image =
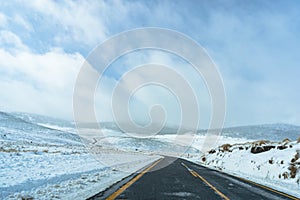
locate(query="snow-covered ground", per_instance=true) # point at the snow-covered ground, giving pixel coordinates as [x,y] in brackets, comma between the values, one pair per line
[43,158]
[46,162]
[274,164]
[49,172]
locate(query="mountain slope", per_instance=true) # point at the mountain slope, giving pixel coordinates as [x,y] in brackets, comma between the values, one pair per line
[15,128]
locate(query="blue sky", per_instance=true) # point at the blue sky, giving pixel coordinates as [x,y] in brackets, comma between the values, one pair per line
[255,45]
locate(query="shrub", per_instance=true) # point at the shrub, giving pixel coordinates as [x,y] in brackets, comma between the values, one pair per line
[282,147]
[297,155]
[293,171]
[25,197]
[212,151]
[285,175]
[203,159]
[261,149]
[271,161]
[226,147]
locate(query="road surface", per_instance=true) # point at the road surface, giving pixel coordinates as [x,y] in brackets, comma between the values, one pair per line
[172,178]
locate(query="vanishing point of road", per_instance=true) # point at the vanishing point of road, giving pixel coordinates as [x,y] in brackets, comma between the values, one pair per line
[175,178]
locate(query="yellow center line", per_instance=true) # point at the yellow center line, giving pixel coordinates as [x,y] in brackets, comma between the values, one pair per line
[212,187]
[195,174]
[129,183]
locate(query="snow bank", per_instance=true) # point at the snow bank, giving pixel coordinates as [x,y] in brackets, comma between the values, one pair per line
[276,165]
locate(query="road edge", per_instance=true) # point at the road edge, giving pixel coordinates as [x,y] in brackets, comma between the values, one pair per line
[118,184]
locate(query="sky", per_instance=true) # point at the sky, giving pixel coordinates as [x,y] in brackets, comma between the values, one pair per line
[255,45]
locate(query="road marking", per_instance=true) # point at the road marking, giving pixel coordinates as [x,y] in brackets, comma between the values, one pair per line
[259,185]
[195,174]
[267,188]
[210,185]
[129,183]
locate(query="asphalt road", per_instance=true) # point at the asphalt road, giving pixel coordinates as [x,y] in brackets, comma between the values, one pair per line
[171,178]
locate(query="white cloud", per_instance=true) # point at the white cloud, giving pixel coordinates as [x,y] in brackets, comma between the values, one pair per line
[39,83]
[21,21]
[80,21]
[3,20]
[146,97]
[11,42]
[255,48]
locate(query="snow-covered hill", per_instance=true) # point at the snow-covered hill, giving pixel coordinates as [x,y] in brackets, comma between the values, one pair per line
[44,158]
[14,127]
[275,164]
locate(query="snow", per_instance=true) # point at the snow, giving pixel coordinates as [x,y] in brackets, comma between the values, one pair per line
[271,168]
[42,158]
[44,163]
[59,172]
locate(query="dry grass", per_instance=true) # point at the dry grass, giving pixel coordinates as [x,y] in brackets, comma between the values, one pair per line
[260,142]
[35,151]
[8,150]
[286,140]
[298,141]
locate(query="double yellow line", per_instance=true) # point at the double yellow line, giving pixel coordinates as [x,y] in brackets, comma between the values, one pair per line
[129,183]
[195,174]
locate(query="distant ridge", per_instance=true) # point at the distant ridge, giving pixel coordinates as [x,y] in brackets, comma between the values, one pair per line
[273,132]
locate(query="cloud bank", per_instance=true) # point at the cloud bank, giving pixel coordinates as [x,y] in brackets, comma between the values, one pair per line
[255,45]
